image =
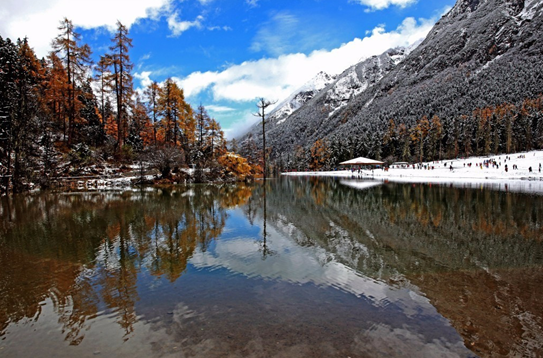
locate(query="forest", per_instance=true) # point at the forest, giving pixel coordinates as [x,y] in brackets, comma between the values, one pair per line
[472,87]
[504,128]
[65,116]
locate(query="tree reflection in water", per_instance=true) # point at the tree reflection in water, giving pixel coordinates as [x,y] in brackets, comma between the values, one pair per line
[85,251]
[477,255]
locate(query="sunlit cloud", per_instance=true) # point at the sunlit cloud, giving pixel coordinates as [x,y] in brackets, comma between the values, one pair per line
[39,20]
[276,78]
[178,27]
[383,4]
[219,109]
[144,78]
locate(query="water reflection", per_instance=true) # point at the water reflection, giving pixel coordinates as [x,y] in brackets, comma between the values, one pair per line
[476,254]
[299,267]
[84,252]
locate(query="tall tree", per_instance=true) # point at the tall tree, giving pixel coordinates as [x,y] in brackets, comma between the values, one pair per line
[103,78]
[215,139]
[76,59]
[319,155]
[9,61]
[140,131]
[121,79]
[419,134]
[179,123]
[506,114]
[262,106]
[56,92]
[436,131]
[94,133]
[202,125]
[390,140]
[152,93]
[21,80]
[403,135]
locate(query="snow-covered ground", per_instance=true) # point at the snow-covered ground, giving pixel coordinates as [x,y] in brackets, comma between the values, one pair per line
[462,174]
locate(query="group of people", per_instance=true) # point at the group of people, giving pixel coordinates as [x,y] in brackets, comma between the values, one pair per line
[484,164]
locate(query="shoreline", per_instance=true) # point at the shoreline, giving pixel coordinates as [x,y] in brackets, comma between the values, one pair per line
[461,172]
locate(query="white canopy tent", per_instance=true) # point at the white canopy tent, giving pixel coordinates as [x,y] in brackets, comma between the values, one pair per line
[362,161]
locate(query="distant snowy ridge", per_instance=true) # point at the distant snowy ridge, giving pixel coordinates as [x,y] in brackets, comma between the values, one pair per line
[531,9]
[337,90]
[300,97]
[357,78]
[482,53]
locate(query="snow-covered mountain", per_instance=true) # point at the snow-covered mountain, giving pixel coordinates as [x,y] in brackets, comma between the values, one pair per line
[482,53]
[336,89]
[358,78]
[300,97]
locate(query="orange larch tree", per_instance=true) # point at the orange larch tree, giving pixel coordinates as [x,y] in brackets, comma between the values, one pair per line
[121,79]
[77,62]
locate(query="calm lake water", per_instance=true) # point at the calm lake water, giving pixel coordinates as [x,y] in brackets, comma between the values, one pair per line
[297,267]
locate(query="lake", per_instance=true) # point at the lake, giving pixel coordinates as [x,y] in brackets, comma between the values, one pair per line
[295,267]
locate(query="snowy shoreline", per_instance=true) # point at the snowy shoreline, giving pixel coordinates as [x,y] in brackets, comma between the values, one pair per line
[461,174]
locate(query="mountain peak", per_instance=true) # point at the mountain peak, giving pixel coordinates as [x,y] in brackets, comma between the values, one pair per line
[301,96]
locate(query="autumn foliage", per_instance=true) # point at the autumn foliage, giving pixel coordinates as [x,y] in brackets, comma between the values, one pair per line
[235,164]
[52,106]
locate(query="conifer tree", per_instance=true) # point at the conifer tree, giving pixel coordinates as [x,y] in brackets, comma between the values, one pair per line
[153,93]
[76,59]
[179,123]
[103,78]
[436,131]
[140,132]
[21,84]
[202,125]
[319,155]
[56,93]
[93,129]
[121,79]
[419,134]
[215,141]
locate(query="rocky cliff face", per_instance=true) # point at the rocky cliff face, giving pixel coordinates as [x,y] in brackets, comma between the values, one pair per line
[482,53]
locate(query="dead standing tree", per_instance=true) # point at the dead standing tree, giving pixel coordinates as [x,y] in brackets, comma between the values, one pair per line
[262,105]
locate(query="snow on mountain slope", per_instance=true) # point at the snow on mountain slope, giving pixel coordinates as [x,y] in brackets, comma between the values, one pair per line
[300,96]
[482,53]
[360,77]
[333,91]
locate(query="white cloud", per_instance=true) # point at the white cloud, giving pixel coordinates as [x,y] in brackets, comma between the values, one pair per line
[383,4]
[277,34]
[276,78]
[144,78]
[252,3]
[178,27]
[219,109]
[241,126]
[39,20]
[223,28]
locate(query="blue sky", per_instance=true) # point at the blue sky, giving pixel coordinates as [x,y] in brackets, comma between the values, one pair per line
[226,54]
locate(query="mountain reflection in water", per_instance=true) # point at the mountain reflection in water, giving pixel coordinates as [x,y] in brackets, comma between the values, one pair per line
[342,268]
